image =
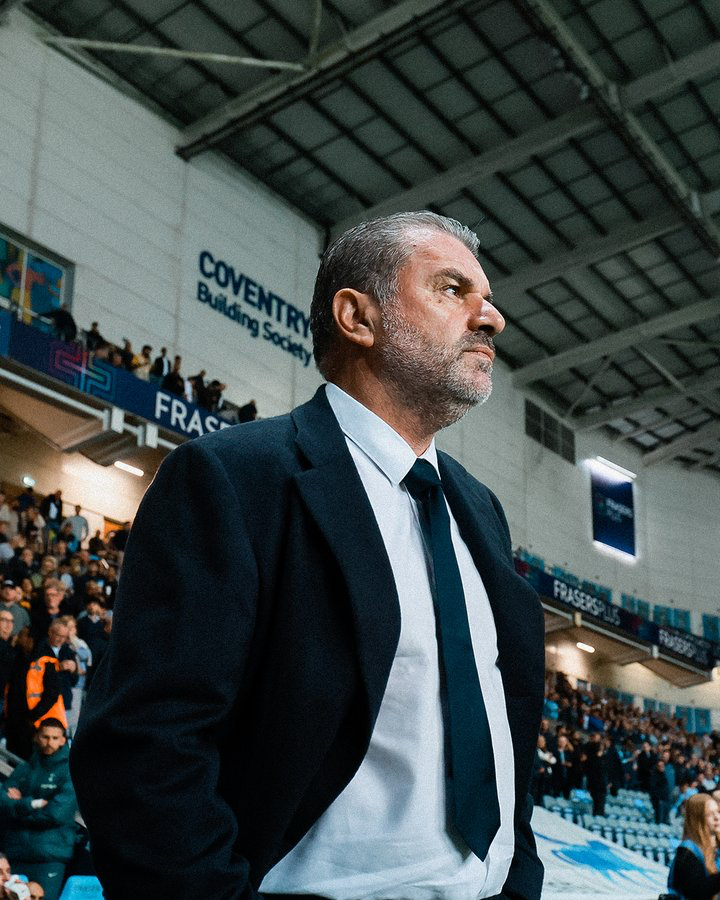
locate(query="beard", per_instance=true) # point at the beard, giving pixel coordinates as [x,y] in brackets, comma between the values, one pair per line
[434,379]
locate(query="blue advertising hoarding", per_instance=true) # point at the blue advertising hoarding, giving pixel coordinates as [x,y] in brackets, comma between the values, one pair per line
[74,366]
[671,641]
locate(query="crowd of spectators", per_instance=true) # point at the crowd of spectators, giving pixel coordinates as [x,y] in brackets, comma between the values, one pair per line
[57,592]
[597,743]
[198,389]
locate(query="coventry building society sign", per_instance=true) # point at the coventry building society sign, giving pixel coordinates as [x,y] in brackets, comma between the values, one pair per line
[284,326]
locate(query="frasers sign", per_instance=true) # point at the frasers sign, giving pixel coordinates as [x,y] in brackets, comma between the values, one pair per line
[689,646]
[671,641]
[260,312]
[570,595]
[583,601]
[185,418]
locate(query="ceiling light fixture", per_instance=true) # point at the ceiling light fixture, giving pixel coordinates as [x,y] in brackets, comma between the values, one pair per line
[586,647]
[612,469]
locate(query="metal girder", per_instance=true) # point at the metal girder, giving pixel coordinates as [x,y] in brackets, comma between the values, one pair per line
[484,165]
[688,342]
[541,139]
[599,372]
[327,62]
[659,396]
[644,429]
[708,432]
[674,75]
[608,97]
[172,52]
[585,254]
[611,344]
[597,249]
[706,463]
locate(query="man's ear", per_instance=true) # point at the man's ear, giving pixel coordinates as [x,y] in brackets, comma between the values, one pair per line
[357,316]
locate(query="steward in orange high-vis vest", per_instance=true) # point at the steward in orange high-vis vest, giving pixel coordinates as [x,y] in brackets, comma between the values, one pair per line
[44,689]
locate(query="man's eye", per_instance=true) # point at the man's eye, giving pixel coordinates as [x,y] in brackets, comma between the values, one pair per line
[453,288]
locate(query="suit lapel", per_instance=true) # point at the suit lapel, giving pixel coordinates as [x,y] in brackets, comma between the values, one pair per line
[334,495]
[511,599]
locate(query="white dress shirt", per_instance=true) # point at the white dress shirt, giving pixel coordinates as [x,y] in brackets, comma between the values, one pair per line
[385,837]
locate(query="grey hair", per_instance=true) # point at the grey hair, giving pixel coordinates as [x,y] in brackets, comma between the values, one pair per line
[368,258]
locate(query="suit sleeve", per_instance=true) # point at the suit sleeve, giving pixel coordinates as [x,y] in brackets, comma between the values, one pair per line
[145,761]
[524,881]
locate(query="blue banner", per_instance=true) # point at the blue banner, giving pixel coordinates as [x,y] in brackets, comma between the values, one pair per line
[74,366]
[671,641]
[613,511]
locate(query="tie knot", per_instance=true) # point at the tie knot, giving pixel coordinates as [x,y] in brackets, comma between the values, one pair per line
[421,478]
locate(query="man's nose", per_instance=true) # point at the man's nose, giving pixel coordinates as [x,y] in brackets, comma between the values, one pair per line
[485,316]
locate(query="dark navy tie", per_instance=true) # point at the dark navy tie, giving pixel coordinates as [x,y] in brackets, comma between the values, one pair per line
[470,767]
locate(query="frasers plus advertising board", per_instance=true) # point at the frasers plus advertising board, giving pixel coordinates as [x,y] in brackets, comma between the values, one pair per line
[257,310]
[671,641]
[613,510]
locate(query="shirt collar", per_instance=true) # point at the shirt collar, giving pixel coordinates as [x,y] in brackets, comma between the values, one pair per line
[390,452]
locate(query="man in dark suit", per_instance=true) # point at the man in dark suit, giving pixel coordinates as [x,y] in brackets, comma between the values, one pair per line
[325,678]
[161,366]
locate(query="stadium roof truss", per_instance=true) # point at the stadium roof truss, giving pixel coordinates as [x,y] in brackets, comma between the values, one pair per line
[580,138]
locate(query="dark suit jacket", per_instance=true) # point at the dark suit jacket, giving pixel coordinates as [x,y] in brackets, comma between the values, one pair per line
[255,626]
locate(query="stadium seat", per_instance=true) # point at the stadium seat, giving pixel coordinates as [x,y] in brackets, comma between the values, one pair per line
[82,887]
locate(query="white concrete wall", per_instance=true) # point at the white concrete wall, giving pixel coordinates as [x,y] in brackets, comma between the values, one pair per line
[92,175]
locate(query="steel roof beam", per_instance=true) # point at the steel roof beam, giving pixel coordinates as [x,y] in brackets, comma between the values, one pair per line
[327,62]
[611,344]
[507,155]
[608,97]
[663,81]
[541,139]
[661,396]
[684,442]
[587,253]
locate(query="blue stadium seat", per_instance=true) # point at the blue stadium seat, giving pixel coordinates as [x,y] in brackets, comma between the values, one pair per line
[82,887]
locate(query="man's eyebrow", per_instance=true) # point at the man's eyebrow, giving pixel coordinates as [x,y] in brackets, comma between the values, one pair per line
[454,275]
[463,280]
